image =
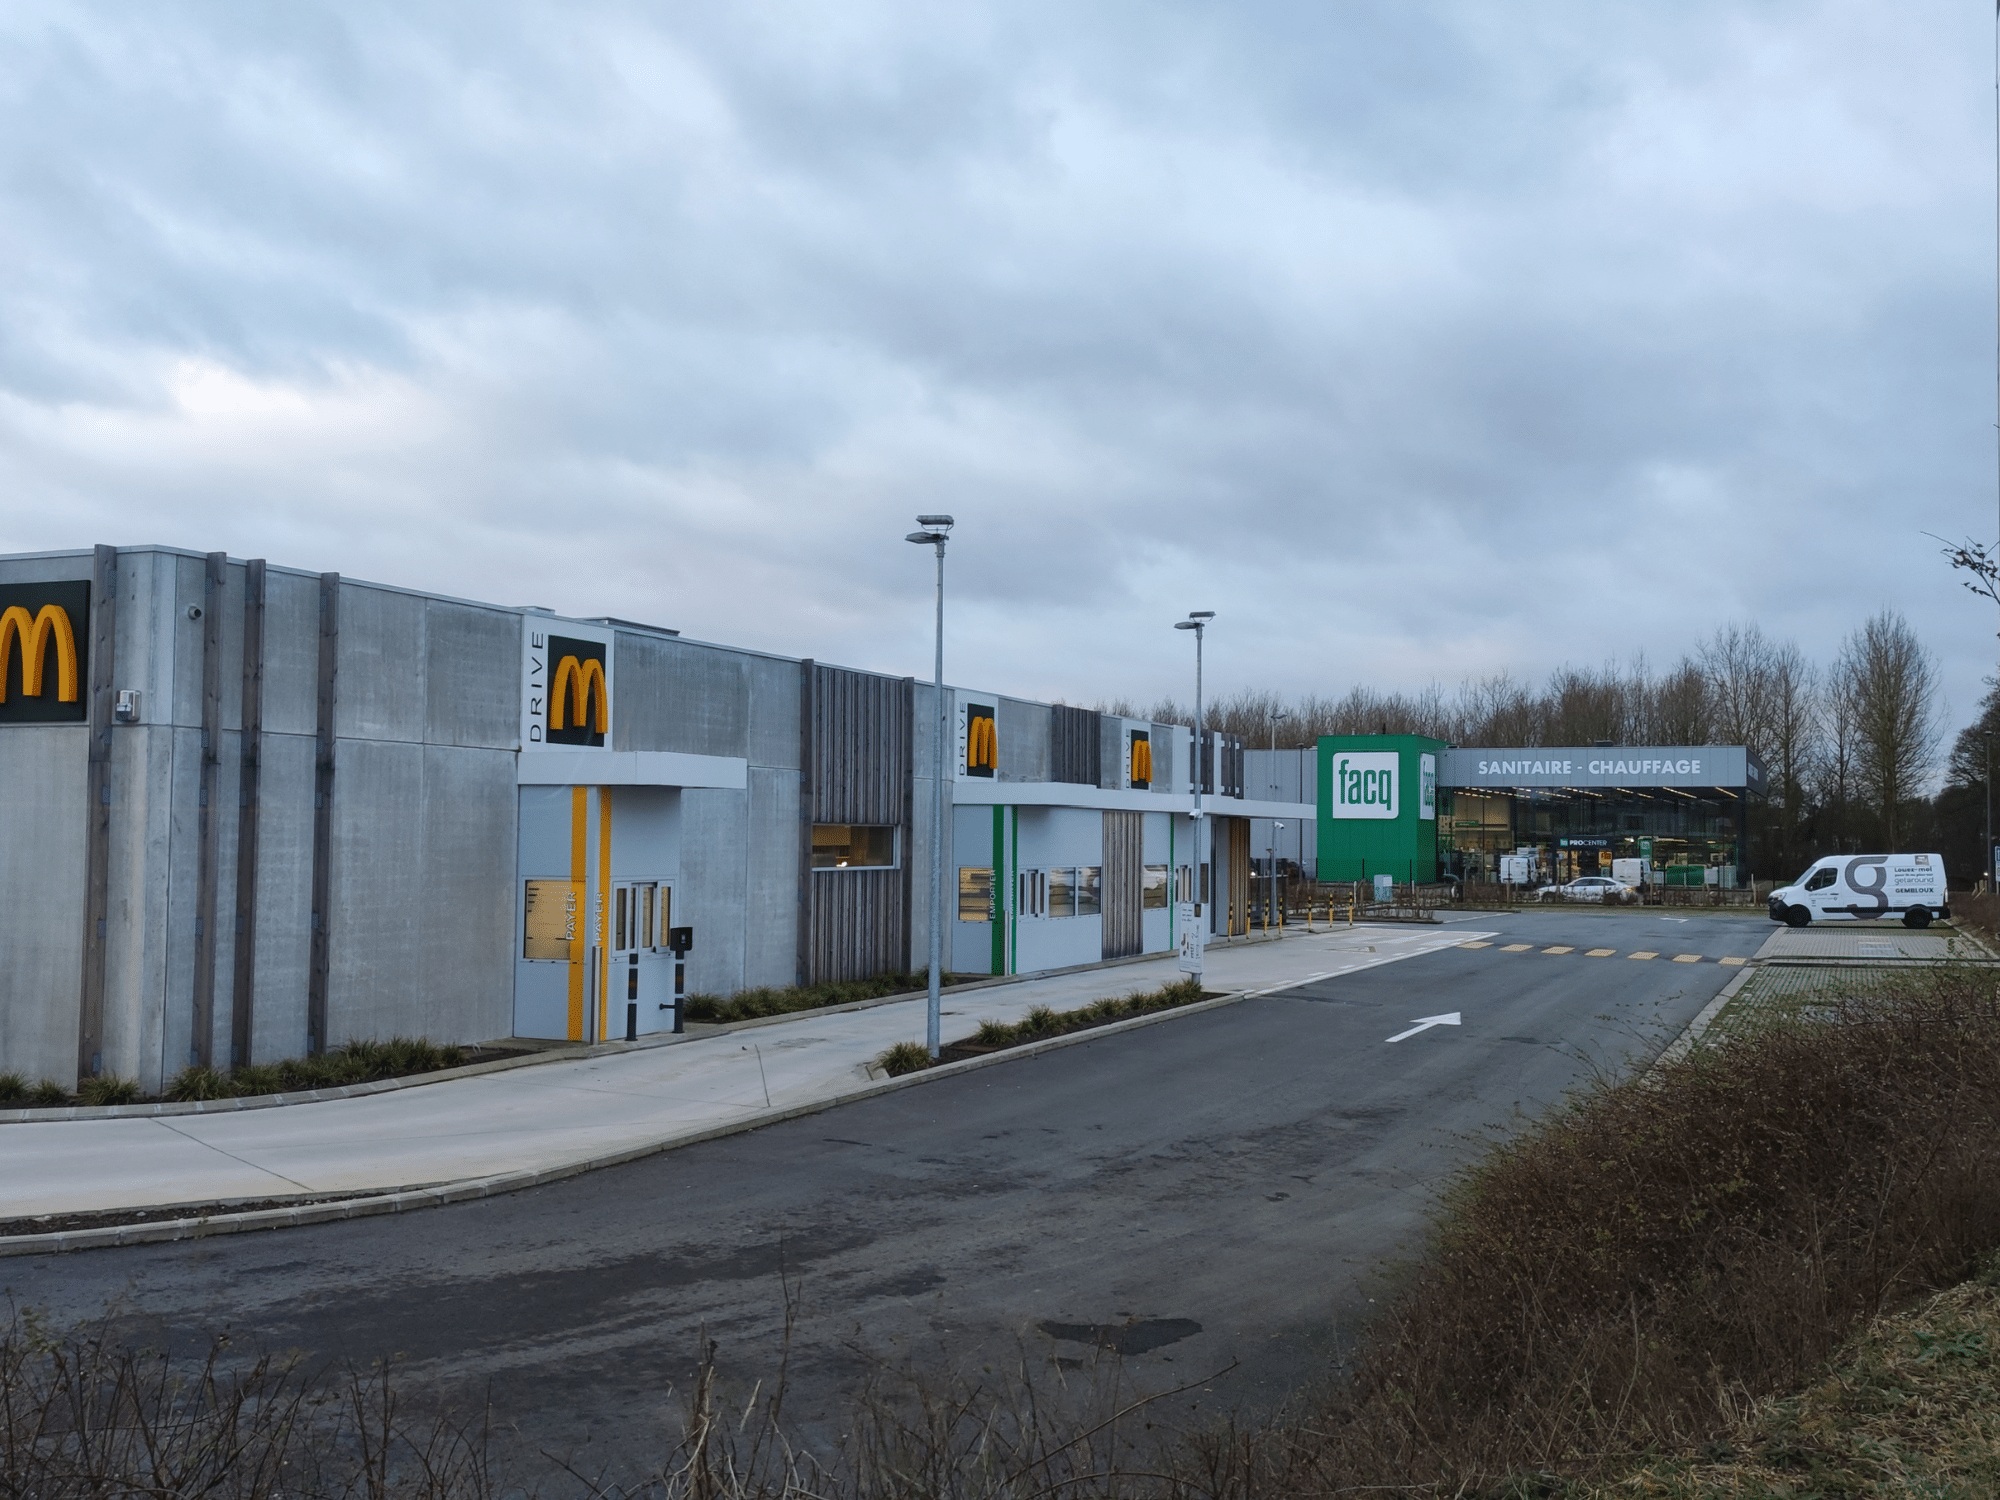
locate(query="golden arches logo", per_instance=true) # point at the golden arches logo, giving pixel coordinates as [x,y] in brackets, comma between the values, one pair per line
[583,680]
[33,633]
[1142,760]
[982,744]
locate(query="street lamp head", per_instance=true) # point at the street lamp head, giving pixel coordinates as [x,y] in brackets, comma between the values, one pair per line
[925,538]
[1187,624]
[1201,614]
[936,523]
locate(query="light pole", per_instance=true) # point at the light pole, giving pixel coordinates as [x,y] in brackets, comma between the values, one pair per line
[1197,621]
[934,533]
[1987,736]
[1277,835]
[1273,788]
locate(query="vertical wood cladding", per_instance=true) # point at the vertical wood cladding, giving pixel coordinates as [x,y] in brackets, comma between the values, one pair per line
[857,770]
[1238,834]
[1075,753]
[1124,853]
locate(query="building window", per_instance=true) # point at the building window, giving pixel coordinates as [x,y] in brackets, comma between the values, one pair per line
[1062,893]
[1032,887]
[853,846]
[1089,885]
[1153,888]
[550,925]
[975,893]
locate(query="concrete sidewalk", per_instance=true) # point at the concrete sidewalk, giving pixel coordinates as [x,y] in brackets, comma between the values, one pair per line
[494,1132]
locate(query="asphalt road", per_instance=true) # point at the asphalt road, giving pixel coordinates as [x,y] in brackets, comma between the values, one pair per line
[1224,1187]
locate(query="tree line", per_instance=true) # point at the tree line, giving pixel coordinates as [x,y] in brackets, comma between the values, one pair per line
[1852,746]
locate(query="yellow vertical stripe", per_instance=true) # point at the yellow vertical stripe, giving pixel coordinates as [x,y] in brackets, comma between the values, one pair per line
[579,832]
[603,910]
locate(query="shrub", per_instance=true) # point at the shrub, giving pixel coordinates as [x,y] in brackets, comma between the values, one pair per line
[904,1057]
[1039,1021]
[107,1088]
[47,1094]
[13,1088]
[747,1005]
[1618,1276]
[193,1083]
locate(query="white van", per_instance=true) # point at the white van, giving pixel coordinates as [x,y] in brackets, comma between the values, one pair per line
[1856,887]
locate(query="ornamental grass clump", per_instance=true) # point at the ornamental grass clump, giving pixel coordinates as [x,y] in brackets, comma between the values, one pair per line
[106,1089]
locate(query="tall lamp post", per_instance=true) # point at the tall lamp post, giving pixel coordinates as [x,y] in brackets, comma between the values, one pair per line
[1987,736]
[934,533]
[1197,621]
[1276,828]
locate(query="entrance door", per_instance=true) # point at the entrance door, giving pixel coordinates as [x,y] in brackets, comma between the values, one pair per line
[642,967]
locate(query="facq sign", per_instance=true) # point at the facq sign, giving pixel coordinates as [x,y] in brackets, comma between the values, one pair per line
[1364,784]
[1618,766]
[1427,794]
[44,643]
[566,688]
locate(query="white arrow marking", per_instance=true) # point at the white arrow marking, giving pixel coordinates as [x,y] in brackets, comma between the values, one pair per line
[1426,1024]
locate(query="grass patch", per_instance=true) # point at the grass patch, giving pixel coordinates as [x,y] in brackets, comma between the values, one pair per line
[1043,1021]
[106,1089]
[350,1063]
[1630,1273]
[748,1005]
[1911,1407]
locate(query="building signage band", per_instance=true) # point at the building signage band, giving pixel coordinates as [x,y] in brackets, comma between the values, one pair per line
[1364,783]
[44,651]
[567,692]
[1621,766]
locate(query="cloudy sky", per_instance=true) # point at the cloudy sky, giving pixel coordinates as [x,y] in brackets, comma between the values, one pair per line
[1418,340]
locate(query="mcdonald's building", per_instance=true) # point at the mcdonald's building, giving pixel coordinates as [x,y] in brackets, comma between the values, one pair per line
[248,812]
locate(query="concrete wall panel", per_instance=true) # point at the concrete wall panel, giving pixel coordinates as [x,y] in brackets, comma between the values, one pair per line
[709,895]
[464,960]
[284,896]
[382,657]
[377,928]
[291,653]
[472,681]
[675,695]
[42,791]
[770,918]
[1023,729]
[774,711]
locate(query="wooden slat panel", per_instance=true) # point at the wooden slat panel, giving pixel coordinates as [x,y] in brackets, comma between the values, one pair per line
[1074,737]
[858,758]
[1123,854]
[323,767]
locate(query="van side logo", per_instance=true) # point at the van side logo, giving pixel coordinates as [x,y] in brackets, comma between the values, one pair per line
[982,741]
[44,643]
[1364,783]
[579,699]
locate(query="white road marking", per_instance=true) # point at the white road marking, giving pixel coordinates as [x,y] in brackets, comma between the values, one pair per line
[1426,1024]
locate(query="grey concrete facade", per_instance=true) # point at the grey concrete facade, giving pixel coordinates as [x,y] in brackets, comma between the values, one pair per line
[410,821]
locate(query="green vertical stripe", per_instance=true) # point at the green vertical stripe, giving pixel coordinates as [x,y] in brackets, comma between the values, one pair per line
[999,889]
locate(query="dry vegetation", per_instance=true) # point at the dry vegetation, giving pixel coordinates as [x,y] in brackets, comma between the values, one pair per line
[1628,1299]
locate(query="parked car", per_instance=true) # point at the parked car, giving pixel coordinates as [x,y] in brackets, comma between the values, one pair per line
[1600,888]
[1858,887]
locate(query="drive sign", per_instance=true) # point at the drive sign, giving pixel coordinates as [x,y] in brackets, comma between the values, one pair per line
[1364,783]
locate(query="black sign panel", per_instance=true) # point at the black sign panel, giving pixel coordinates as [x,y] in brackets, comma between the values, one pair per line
[982,741]
[44,653]
[579,695]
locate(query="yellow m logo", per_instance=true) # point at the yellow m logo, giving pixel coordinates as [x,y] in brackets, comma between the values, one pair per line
[584,680]
[33,633]
[1142,760]
[982,744]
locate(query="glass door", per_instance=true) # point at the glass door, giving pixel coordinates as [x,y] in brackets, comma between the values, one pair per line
[641,966]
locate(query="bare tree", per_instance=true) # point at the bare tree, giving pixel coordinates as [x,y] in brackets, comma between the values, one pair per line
[1737,660]
[1681,707]
[1886,690]
[1793,722]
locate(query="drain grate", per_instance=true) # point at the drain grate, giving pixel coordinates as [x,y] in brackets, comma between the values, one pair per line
[1874,950]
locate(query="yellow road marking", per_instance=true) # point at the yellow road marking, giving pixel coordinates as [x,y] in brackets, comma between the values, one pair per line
[1511,947]
[1598,952]
[1732,962]
[1645,955]
[1462,945]
[1545,950]
[1679,958]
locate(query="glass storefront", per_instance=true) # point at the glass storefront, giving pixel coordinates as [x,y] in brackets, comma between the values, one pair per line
[1576,831]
